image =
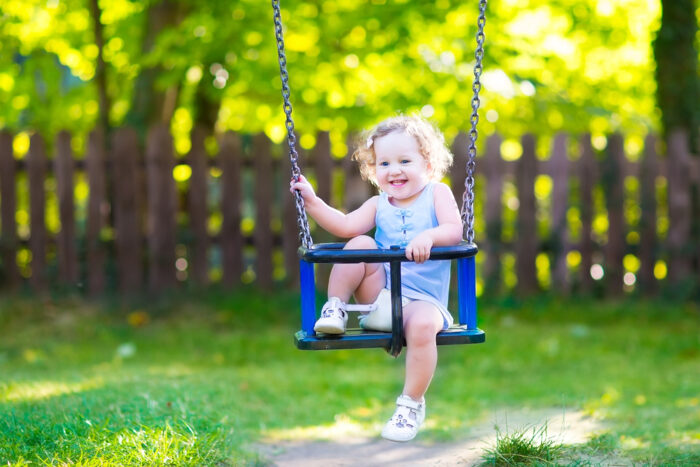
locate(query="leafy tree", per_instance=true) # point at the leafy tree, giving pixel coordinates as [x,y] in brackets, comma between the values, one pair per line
[550,65]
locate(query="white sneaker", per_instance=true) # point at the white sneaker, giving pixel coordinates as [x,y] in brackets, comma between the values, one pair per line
[408,417]
[333,318]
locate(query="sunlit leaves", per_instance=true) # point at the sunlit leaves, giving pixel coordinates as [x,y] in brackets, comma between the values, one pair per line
[550,65]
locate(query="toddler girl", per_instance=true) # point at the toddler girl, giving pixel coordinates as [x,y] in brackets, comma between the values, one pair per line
[405,157]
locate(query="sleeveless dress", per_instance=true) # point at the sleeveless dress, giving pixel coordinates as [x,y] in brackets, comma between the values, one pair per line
[429,281]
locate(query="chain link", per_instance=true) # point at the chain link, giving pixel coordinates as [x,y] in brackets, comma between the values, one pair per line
[302,220]
[468,197]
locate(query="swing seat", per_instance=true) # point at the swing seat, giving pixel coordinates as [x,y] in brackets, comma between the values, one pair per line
[465,332]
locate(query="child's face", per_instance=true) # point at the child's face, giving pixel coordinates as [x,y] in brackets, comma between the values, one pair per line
[401,170]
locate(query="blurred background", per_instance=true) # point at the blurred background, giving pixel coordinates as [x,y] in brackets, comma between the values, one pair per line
[142,143]
[148,265]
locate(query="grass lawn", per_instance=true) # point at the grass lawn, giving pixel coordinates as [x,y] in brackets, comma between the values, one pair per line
[197,381]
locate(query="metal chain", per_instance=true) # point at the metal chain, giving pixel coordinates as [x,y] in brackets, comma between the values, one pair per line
[302,220]
[468,197]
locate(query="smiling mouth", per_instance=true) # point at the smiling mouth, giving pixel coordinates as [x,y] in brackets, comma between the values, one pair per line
[397,182]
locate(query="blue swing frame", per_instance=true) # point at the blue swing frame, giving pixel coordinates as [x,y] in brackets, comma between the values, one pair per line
[465,332]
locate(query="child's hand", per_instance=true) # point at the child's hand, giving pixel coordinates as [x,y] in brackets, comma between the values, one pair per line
[419,248]
[304,187]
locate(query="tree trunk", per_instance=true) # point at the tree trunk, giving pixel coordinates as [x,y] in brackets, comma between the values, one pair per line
[151,105]
[678,84]
[101,70]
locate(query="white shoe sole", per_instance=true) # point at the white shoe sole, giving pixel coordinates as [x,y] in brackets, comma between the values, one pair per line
[329,328]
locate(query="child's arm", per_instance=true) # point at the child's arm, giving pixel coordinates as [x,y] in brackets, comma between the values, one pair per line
[447,233]
[337,223]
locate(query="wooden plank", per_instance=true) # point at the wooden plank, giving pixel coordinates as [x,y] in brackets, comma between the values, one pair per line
[125,158]
[290,229]
[613,183]
[264,181]
[588,174]
[527,243]
[198,210]
[493,171]
[323,169]
[647,224]
[97,212]
[230,158]
[357,191]
[323,165]
[10,278]
[679,208]
[66,241]
[160,162]
[36,168]
[559,170]
[458,172]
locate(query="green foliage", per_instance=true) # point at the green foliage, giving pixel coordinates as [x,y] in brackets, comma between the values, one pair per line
[578,65]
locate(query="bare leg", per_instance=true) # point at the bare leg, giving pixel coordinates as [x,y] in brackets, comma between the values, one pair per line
[422,322]
[363,280]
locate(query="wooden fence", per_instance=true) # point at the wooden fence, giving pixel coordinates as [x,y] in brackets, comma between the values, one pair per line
[232,219]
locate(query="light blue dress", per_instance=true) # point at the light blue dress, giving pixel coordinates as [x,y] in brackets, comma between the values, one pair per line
[429,281]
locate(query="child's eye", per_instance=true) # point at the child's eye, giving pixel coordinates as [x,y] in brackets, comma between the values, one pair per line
[383,164]
[405,161]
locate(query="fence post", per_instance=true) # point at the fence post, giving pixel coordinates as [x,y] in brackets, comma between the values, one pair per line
[588,173]
[96,212]
[356,190]
[559,165]
[290,229]
[679,208]
[460,150]
[36,168]
[160,162]
[527,243]
[230,156]
[323,167]
[613,184]
[647,225]
[323,163]
[264,190]
[198,209]
[8,206]
[128,209]
[63,169]
[493,168]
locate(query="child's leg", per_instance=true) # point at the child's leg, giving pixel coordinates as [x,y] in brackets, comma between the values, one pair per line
[422,321]
[363,280]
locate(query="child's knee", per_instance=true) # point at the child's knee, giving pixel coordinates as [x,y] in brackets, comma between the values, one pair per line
[421,330]
[361,242]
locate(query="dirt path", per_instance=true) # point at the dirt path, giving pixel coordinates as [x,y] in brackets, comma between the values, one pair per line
[346,445]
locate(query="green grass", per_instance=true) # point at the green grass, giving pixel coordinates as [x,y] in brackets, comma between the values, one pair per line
[525,446]
[199,380]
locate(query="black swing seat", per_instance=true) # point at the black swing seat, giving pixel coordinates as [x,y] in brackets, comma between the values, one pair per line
[357,338]
[465,332]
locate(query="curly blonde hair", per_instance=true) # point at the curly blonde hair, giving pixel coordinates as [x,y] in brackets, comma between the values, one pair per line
[430,141]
